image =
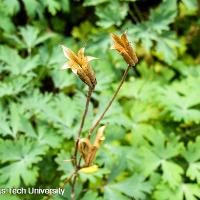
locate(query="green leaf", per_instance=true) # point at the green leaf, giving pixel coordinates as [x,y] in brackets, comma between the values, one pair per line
[32,7]
[52,5]
[4,125]
[135,186]
[115,114]
[158,152]
[34,102]
[106,78]
[165,147]
[156,29]
[191,4]
[63,103]
[163,15]
[23,154]
[31,37]
[191,191]
[21,65]
[90,195]
[111,14]
[9,196]
[172,173]
[94,2]
[140,89]
[184,191]
[48,136]
[166,47]
[19,123]
[143,112]
[6,53]
[192,155]
[65,5]
[193,171]
[65,166]
[65,121]
[180,100]
[26,127]
[110,193]
[6,24]
[62,79]
[4,118]
[14,86]
[117,168]
[164,192]
[11,6]
[14,119]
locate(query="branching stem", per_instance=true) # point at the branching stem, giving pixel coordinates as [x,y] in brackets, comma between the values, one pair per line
[76,162]
[74,176]
[138,12]
[82,123]
[73,185]
[110,102]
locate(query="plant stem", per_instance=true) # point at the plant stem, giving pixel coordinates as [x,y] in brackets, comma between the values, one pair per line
[110,102]
[138,11]
[133,16]
[77,165]
[94,126]
[73,186]
[67,180]
[82,123]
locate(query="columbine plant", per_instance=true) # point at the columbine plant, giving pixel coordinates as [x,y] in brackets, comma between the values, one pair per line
[79,64]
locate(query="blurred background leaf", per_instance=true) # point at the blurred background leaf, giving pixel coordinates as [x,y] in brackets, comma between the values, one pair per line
[152,143]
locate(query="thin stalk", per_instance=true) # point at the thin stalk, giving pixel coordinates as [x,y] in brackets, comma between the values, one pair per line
[73,186]
[138,12]
[77,141]
[82,123]
[110,102]
[93,127]
[67,180]
[133,16]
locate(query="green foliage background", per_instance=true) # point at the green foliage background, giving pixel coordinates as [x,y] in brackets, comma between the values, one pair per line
[152,147]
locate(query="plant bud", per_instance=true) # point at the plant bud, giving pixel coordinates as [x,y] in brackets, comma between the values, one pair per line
[123,46]
[79,64]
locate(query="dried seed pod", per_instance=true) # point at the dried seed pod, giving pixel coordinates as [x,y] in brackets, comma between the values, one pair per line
[97,142]
[123,46]
[87,150]
[99,137]
[91,156]
[79,64]
[84,147]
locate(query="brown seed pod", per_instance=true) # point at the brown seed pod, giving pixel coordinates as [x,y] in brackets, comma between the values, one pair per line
[123,46]
[87,150]
[79,64]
